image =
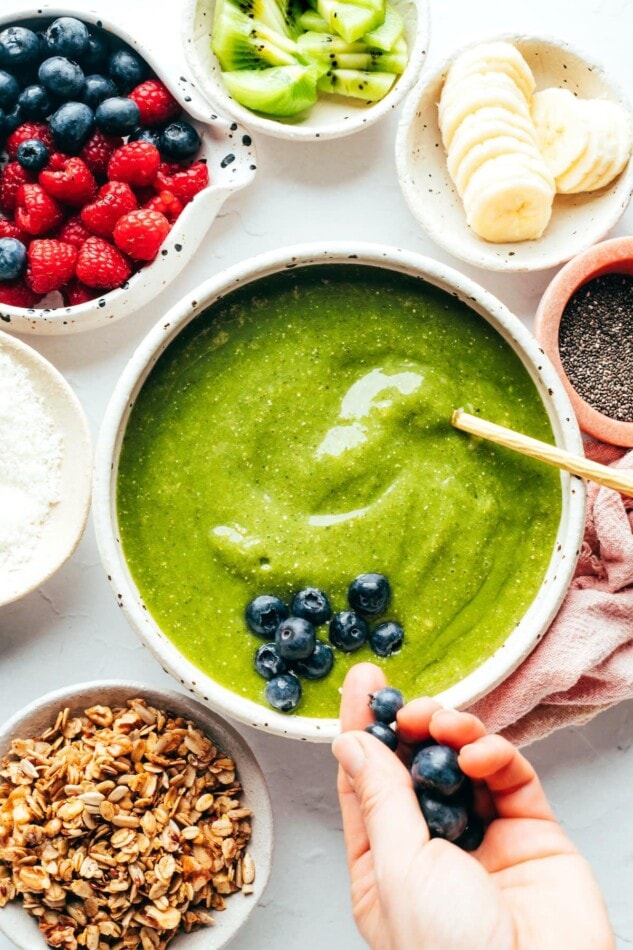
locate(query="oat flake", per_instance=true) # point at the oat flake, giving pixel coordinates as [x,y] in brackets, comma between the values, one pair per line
[30,464]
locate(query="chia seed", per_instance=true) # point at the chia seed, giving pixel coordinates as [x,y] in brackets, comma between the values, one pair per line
[595,343]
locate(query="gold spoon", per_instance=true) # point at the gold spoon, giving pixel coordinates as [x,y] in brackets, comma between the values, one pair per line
[576,464]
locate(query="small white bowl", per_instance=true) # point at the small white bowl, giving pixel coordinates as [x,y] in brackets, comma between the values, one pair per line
[22,929]
[577,220]
[332,116]
[565,550]
[230,155]
[62,530]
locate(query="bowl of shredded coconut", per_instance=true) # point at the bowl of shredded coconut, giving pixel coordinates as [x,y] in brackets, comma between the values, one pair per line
[45,465]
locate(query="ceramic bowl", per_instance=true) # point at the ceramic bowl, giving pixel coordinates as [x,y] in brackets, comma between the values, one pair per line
[21,928]
[609,257]
[62,530]
[332,116]
[577,220]
[230,154]
[560,569]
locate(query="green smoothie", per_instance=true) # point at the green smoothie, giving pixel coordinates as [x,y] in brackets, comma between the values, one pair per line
[297,433]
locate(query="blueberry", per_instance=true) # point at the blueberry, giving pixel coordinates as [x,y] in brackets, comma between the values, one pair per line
[19,47]
[446,820]
[117,116]
[12,258]
[9,90]
[435,769]
[71,126]
[284,692]
[67,36]
[35,102]
[13,119]
[311,604]
[62,77]
[95,58]
[179,141]
[146,135]
[268,663]
[318,664]
[264,614]
[369,594]
[126,69]
[386,703]
[295,638]
[348,631]
[95,89]
[383,732]
[32,155]
[471,838]
[386,638]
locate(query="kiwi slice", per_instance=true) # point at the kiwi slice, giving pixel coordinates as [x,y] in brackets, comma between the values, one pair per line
[337,54]
[240,42]
[280,90]
[357,83]
[349,20]
[310,21]
[386,35]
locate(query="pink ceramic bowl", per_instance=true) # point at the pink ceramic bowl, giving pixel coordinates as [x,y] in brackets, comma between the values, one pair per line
[609,257]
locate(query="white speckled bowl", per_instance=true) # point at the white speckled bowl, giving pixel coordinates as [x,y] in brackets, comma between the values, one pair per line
[577,220]
[64,527]
[21,928]
[332,116]
[230,154]
[560,570]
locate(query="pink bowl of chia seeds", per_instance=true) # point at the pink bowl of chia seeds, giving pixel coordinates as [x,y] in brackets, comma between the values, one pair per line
[584,323]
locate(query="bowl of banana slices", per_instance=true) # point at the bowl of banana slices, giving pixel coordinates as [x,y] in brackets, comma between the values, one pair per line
[516,153]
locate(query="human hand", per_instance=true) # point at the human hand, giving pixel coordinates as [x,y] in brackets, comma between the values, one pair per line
[525,888]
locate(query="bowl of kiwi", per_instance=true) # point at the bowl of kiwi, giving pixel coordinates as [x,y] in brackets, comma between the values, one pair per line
[305,69]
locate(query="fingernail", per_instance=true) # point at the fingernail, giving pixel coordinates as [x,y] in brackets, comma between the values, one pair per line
[349,753]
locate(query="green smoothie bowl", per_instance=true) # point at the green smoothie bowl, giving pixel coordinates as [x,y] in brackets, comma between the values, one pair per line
[287,426]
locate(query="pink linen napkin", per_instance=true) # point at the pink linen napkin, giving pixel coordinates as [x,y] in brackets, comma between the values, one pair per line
[584,664]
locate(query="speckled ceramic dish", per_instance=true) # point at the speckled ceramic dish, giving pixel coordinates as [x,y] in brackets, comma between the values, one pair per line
[64,526]
[577,220]
[22,929]
[609,257]
[230,154]
[332,116]
[560,570]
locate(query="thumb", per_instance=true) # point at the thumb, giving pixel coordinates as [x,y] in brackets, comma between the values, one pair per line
[393,821]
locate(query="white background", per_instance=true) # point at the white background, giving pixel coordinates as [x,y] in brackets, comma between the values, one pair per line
[71,629]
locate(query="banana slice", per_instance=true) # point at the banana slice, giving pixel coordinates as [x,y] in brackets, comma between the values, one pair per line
[506,200]
[461,172]
[561,130]
[611,125]
[488,123]
[497,57]
[481,93]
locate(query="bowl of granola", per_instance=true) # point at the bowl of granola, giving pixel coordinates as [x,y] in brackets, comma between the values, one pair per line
[128,813]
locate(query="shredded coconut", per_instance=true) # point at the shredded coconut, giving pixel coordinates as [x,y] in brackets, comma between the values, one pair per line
[30,464]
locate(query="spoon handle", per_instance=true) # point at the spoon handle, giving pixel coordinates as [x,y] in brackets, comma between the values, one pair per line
[576,464]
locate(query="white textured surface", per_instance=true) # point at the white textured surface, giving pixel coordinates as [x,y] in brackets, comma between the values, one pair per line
[71,629]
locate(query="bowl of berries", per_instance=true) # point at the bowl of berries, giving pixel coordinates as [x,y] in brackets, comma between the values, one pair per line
[110,173]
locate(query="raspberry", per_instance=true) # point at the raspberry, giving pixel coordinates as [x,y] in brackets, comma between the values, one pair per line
[167,203]
[97,151]
[101,264]
[77,293]
[155,103]
[73,184]
[10,229]
[36,212]
[28,130]
[50,265]
[13,176]
[184,183]
[140,233]
[57,162]
[135,163]
[115,198]
[15,293]
[73,232]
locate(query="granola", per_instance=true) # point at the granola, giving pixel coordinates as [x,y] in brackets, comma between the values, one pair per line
[120,828]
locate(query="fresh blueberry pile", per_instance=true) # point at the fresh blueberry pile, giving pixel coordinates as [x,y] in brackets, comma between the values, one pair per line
[97,162]
[445,793]
[292,648]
